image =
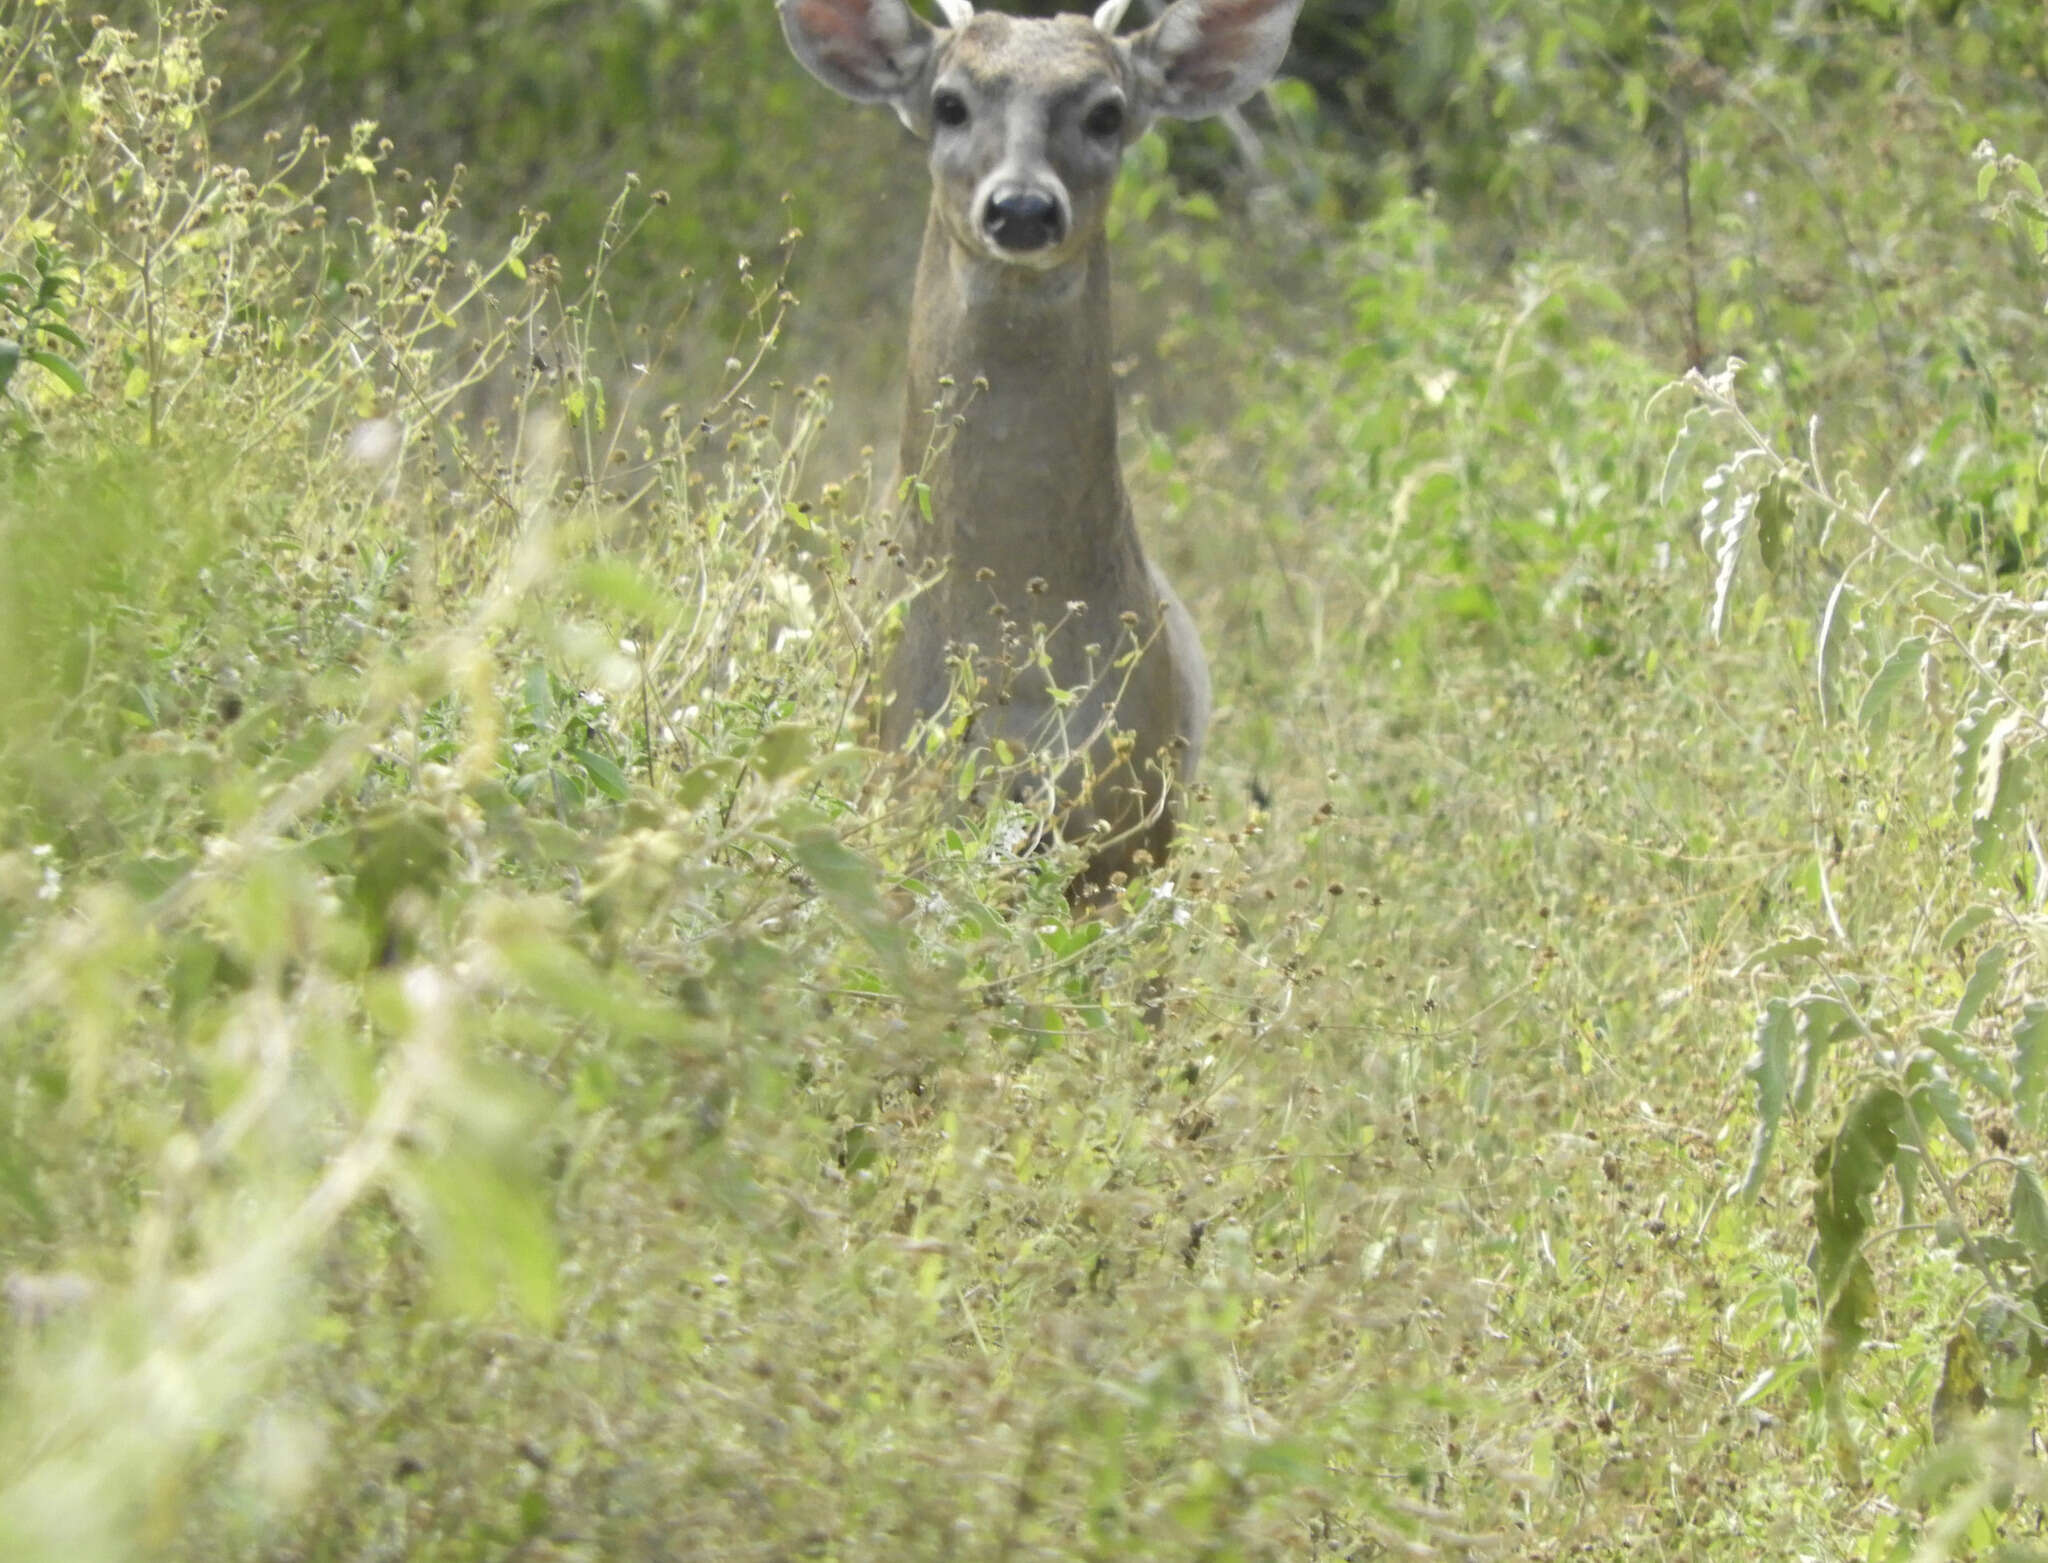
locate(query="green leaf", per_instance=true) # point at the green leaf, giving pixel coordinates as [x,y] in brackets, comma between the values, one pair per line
[1968,1061]
[543,959]
[2001,788]
[847,882]
[1986,174]
[60,366]
[2029,1212]
[1767,1070]
[2030,1056]
[781,749]
[10,360]
[1822,1022]
[1773,522]
[1983,981]
[1991,764]
[605,773]
[1961,1393]
[540,696]
[62,333]
[700,783]
[1779,950]
[1965,924]
[399,848]
[1968,745]
[628,589]
[1848,1171]
[1937,1094]
[484,1213]
[1635,92]
[1873,713]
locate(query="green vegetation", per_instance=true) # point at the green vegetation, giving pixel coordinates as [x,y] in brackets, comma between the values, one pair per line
[494,1067]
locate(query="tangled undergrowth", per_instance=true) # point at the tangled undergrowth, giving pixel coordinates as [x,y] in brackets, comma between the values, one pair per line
[497,1066]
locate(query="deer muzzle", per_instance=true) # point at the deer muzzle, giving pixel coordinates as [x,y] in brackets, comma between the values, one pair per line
[1019,220]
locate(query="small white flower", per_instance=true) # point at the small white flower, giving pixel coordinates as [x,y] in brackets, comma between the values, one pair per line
[375,442]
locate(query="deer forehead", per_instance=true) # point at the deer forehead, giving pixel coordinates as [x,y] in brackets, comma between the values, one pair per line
[1047,57]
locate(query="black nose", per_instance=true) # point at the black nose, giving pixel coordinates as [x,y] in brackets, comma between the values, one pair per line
[1022,220]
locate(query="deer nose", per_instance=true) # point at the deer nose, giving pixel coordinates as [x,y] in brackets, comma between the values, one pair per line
[1022,220]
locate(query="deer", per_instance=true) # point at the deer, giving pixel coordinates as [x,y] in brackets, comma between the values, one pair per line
[1076,649]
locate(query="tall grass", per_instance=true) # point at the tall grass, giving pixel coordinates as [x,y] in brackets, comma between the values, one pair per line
[496,1066]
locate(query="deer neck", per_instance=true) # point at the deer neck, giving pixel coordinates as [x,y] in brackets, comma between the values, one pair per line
[1021,456]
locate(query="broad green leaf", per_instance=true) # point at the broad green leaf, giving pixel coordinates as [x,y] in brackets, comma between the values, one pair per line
[1961,1394]
[1983,982]
[1968,745]
[1991,764]
[1767,1070]
[1965,924]
[1793,946]
[781,749]
[605,773]
[541,955]
[1635,92]
[2029,1212]
[1937,1094]
[66,372]
[1848,1170]
[540,696]
[2001,788]
[1969,1061]
[1873,714]
[627,588]
[63,333]
[700,783]
[1773,523]
[10,360]
[484,1215]
[1823,1021]
[2030,1056]
[847,882]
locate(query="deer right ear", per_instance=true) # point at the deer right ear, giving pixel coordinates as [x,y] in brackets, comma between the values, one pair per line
[873,51]
[1204,56]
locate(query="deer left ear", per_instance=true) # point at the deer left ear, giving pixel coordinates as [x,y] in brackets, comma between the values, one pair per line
[1204,56]
[873,51]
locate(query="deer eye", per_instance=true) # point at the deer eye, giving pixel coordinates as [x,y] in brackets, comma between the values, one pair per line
[949,109]
[1105,120]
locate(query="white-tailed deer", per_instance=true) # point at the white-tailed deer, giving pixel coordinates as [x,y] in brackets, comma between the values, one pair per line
[1080,651]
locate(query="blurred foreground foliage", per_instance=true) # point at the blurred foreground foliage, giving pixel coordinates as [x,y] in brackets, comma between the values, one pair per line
[493,1066]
